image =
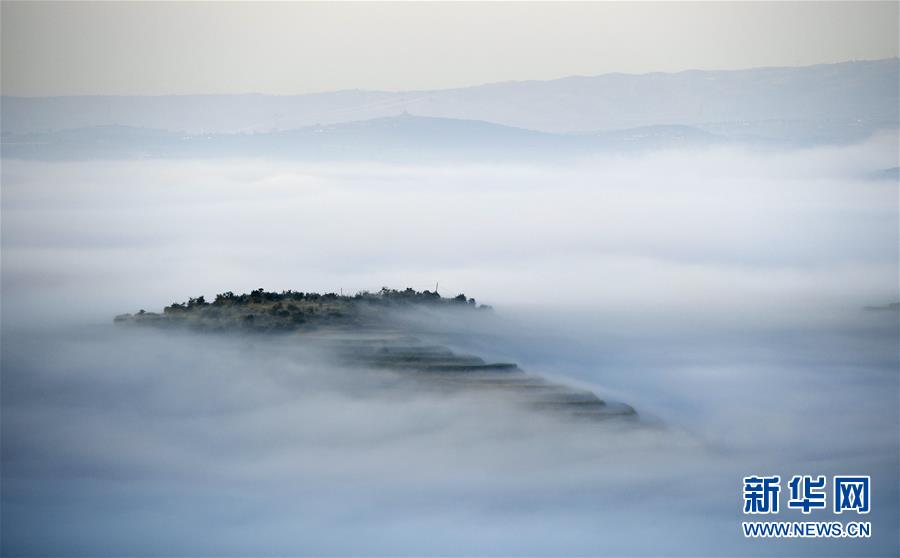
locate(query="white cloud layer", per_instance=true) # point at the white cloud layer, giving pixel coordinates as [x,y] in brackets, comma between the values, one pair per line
[718,291]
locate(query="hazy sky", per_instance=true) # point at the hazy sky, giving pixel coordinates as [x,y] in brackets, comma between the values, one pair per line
[284,48]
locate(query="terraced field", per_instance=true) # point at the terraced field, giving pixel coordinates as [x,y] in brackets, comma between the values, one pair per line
[437,367]
[358,332]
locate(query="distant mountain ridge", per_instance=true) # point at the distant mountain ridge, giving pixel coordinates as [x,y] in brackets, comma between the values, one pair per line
[863,91]
[406,138]
[402,137]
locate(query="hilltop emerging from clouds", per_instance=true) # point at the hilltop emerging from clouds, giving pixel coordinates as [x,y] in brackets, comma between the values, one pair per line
[371,331]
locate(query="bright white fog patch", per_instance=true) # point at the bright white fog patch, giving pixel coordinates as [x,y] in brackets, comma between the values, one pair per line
[707,232]
[720,292]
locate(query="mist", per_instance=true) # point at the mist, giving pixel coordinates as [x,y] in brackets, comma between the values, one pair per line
[722,292]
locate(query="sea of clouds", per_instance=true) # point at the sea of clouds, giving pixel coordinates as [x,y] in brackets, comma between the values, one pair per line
[721,292]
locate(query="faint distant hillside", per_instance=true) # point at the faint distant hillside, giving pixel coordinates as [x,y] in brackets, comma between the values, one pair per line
[399,138]
[848,96]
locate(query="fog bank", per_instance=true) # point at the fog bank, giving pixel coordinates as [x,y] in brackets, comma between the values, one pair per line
[708,233]
[721,292]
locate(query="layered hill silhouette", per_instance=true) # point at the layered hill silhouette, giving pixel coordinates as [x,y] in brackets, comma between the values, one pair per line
[399,138]
[861,91]
[532,120]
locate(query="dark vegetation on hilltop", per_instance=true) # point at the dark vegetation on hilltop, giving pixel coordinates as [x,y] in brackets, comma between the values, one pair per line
[290,310]
[385,295]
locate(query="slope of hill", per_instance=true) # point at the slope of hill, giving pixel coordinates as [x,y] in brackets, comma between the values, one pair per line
[364,331]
